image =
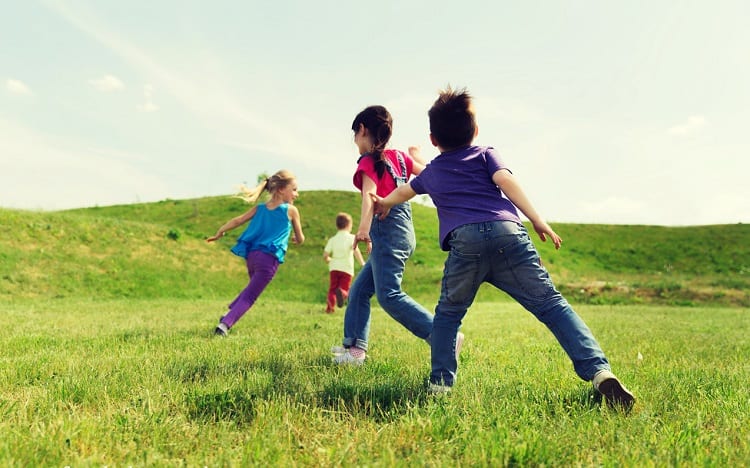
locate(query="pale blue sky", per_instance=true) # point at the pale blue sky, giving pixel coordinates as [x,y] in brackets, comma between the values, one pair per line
[608,112]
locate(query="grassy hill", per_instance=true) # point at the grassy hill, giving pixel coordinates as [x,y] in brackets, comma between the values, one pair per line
[154,250]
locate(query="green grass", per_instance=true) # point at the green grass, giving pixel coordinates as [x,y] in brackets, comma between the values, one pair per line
[155,250]
[108,359]
[142,382]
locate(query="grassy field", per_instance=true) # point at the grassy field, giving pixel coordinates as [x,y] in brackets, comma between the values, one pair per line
[108,359]
[144,383]
[155,250]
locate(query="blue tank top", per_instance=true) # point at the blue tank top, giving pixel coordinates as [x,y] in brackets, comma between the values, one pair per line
[268,232]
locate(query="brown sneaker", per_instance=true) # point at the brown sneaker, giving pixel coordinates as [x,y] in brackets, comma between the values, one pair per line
[613,391]
[339,297]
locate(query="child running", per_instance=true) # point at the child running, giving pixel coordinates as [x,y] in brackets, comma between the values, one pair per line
[477,198]
[264,242]
[390,239]
[339,254]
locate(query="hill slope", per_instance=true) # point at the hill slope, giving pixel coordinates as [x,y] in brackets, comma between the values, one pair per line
[157,250]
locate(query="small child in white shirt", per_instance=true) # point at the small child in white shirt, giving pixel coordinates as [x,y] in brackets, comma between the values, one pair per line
[339,253]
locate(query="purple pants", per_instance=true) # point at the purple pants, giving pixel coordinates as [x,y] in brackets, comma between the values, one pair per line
[261,267]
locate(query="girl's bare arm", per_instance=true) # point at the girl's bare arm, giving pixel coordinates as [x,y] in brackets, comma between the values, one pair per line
[365,220]
[418,161]
[294,217]
[233,223]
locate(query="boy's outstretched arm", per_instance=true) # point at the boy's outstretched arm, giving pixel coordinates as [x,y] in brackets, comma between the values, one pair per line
[400,195]
[512,189]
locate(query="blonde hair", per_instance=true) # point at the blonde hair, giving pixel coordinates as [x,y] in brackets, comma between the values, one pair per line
[277,181]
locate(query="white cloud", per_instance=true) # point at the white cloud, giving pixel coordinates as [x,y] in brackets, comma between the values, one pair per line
[222,112]
[148,105]
[17,87]
[40,171]
[107,83]
[694,123]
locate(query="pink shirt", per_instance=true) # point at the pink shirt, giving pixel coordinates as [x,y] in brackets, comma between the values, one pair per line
[385,184]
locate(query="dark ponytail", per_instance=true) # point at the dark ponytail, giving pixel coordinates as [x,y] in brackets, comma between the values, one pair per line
[379,124]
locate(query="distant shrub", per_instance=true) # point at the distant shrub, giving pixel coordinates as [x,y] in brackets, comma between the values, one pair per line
[173,234]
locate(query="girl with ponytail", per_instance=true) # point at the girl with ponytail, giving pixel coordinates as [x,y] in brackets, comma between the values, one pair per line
[265,240]
[390,241]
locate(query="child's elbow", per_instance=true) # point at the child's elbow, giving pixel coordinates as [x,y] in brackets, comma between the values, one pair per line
[502,177]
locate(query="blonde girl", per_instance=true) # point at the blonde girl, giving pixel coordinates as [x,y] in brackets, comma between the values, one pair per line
[264,242]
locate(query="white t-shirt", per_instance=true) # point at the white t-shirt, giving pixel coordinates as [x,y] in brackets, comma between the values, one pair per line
[340,249]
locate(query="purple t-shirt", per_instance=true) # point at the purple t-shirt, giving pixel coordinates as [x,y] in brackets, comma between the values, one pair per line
[461,187]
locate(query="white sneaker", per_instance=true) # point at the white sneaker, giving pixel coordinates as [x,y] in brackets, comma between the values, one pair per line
[613,391]
[348,360]
[437,389]
[338,349]
[221,330]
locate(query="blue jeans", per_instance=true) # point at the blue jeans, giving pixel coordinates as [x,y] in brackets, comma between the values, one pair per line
[502,254]
[393,242]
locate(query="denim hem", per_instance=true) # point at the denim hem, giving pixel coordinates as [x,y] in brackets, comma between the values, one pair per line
[588,377]
[356,342]
[442,382]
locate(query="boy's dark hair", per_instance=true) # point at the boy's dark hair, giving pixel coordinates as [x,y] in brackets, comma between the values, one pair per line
[343,220]
[379,124]
[452,120]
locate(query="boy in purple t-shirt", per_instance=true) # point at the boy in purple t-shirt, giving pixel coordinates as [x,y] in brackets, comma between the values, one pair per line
[477,199]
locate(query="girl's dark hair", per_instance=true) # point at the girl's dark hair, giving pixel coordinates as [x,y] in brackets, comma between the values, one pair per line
[379,124]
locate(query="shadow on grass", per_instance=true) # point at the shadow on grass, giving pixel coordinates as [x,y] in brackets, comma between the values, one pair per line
[235,404]
[576,401]
[581,399]
[382,402]
[378,391]
[275,377]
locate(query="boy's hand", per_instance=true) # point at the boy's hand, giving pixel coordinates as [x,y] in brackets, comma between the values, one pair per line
[380,209]
[543,230]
